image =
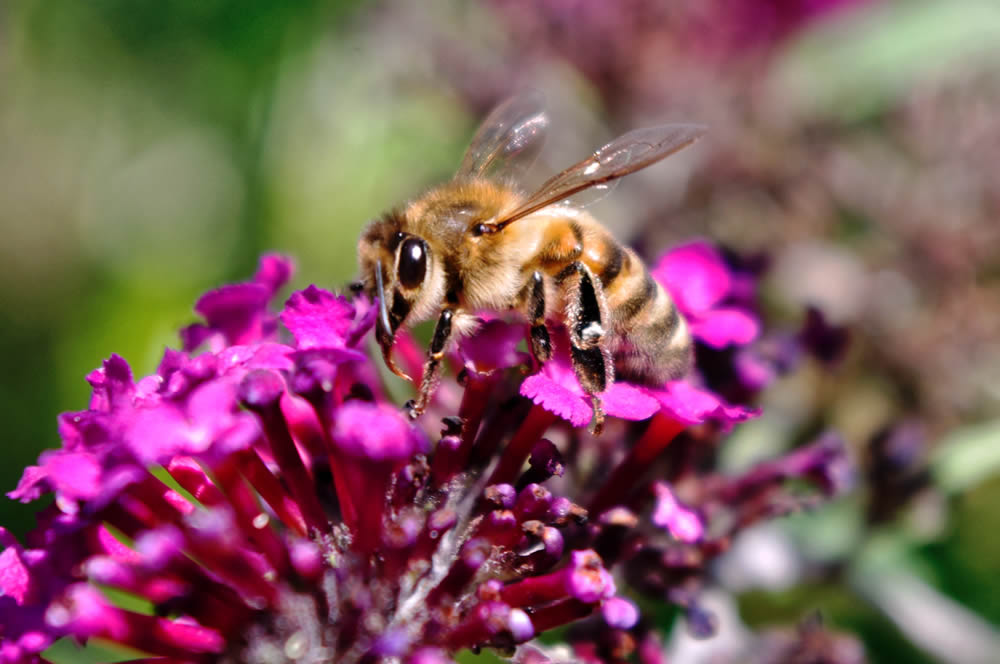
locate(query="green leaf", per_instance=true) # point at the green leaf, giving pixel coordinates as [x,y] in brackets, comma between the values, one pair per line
[856,66]
[486,656]
[66,651]
[967,456]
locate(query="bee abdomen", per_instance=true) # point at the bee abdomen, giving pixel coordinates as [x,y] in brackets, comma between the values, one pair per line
[652,342]
[649,337]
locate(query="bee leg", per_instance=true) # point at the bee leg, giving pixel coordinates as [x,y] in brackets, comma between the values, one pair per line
[432,367]
[598,424]
[541,344]
[586,316]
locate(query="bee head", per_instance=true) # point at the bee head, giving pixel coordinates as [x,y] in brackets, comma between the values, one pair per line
[398,272]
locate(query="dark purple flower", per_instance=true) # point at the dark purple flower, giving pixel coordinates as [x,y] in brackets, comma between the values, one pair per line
[237,314]
[22,601]
[305,517]
[740,373]
[896,468]
[826,342]
[758,365]
[318,319]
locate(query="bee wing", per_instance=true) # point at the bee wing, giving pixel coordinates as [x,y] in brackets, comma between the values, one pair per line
[626,154]
[508,141]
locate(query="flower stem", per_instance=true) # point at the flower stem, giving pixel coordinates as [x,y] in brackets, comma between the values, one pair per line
[560,613]
[323,404]
[474,402]
[625,477]
[270,489]
[520,446]
[296,476]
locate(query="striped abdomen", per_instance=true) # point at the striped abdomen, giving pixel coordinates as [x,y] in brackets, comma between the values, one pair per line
[648,336]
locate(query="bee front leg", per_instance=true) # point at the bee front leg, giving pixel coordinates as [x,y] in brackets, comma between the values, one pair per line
[541,344]
[432,366]
[586,319]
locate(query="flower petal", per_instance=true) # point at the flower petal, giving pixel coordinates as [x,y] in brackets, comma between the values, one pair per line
[32,485]
[15,578]
[494,346]
[274,271]
[75,475]
[557,399]
[318,319]
[725,327]
[237,311]
[691,405]
[620,613]
[683,523]
[375,431]
[628,402]
[112,383]
[695,275]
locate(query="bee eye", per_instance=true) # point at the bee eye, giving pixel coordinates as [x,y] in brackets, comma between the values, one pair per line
[412,262]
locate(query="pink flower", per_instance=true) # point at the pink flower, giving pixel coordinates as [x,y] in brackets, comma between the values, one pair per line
[237,314]
[683,523]
[699,282]
[556,389]
[688,404]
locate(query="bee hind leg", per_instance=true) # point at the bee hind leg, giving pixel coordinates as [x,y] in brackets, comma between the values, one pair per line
[541,344]
[586,319]
[432,366]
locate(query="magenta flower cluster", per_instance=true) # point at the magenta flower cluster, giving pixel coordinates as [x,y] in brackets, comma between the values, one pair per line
[266,500]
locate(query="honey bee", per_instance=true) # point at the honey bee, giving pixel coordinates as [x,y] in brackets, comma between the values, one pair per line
[477,243]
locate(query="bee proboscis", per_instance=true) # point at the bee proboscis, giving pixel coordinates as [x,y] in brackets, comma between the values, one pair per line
[478,243]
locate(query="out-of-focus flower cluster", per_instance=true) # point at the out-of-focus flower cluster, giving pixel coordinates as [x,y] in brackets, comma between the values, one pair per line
[267,501]
[887,221]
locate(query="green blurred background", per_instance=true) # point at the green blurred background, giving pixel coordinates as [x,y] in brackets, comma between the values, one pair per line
[150,151]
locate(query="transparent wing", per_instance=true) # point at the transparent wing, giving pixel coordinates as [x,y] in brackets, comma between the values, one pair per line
[509,139]
[626,154]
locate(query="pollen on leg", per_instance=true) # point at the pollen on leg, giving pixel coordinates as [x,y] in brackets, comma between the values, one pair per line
[592,333]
